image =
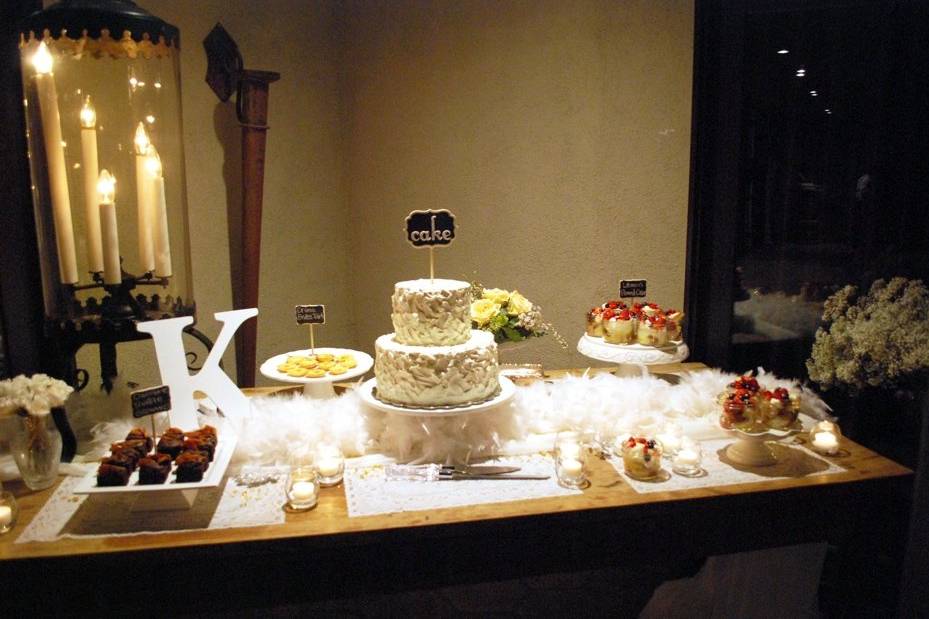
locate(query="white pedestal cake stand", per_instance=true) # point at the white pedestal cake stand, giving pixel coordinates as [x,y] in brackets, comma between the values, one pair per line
[631,357]
[507,391]
[318,387]
[752,448]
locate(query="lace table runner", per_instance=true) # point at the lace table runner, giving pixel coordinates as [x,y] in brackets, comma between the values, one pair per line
[368,493]
[107,515]
[794,461]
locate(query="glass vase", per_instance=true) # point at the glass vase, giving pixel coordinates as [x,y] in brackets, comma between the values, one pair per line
[36,446]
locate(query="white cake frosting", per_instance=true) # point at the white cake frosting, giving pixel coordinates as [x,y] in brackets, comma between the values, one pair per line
[431,312]
[436,375]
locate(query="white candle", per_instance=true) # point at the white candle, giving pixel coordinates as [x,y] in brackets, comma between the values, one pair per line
[6,516]
[825,442]
[571,468]
[106,189]
[91,173]
[162,241]
[570,451]
[144,201]
[670,442]
[303,491]
[55,158]
[686,457]
[330,466]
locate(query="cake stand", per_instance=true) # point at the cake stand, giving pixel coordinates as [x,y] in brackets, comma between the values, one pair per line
[630,357]
[318,387]
[507,391]
[752,448]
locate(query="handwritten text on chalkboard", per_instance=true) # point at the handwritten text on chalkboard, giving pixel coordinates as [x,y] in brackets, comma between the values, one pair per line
[310,314]
[632,288]
[151,401]
[429,228]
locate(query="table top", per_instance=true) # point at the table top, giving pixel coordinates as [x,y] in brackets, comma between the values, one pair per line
[329,523]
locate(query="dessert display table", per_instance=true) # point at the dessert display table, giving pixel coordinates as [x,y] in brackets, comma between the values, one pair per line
[325,555]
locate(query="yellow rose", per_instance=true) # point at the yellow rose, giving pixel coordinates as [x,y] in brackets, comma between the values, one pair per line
[483,310]
[518,304]
[496,295]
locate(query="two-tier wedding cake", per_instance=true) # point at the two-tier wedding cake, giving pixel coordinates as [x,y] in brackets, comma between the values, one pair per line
[433,357]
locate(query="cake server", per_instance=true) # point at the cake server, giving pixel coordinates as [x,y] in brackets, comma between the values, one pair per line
[433,472]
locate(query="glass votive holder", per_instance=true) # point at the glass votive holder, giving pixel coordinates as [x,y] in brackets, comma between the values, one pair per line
[642,457]
[824,438]
[330,464]
[302,488]
[9,511]
[688,460]
[570,460]
[670,438]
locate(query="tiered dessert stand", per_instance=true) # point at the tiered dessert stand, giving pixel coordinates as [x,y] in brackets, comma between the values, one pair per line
[318,387]
[630,358]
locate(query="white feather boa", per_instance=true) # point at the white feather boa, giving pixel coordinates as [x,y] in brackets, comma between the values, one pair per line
[603,405]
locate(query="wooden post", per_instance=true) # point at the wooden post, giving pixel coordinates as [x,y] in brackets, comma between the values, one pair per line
[225,76]
[252,110]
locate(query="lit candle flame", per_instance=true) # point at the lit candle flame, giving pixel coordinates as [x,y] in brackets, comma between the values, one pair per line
[88,114]
[153,162]
[142,143]
[42,60]
[106,187]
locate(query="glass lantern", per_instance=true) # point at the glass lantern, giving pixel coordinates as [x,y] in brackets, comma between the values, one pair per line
[101,80]
[102,95]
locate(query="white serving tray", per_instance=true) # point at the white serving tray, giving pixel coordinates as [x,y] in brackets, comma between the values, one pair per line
[212,478]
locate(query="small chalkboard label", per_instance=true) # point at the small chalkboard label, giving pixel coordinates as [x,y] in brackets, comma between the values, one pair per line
[310,314]
[632,288]
[430,228]
[151,401]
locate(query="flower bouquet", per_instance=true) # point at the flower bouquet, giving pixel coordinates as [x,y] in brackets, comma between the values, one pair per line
[873,340]
[510,316]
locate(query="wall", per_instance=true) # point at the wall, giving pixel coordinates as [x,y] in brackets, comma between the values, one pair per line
[557,132]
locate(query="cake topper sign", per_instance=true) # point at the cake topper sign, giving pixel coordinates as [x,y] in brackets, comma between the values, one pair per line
[428,229]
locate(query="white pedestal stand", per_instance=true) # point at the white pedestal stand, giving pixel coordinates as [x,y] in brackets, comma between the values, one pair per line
[318,387]
[631,358]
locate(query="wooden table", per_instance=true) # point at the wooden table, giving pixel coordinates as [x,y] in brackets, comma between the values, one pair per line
[323,552]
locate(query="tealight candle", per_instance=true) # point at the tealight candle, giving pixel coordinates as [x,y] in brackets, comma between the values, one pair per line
[826,442]
[569,460]
[8,511]
[302,488]
[330,464]
[303,491]
[329,467]
[571,468]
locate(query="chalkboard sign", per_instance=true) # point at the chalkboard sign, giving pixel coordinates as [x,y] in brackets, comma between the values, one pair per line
[430,228]
[310,314]
[151,401]
[632,288]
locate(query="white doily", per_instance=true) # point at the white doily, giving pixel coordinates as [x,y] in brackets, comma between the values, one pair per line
[368,493]
[227,506]
[794,461]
